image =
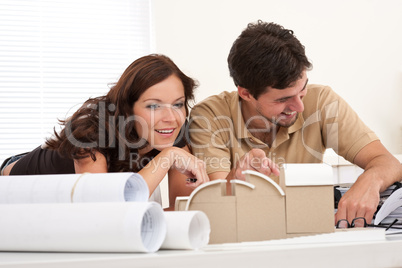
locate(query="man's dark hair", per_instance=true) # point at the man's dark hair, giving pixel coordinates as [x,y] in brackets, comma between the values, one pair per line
[266,55]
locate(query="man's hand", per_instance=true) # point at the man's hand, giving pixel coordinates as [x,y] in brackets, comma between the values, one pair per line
[255,160]
[361,200]
[382,169]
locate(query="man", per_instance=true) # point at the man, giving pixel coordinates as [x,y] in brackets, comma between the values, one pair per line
[276,117]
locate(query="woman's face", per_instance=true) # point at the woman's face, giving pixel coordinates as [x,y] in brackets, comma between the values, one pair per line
[160,113]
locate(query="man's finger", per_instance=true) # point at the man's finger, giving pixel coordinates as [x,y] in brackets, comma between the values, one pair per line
[340,214]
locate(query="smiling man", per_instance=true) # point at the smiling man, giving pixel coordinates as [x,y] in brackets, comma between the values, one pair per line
[276,117]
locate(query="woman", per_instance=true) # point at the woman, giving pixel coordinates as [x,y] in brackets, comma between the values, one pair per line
[139,126]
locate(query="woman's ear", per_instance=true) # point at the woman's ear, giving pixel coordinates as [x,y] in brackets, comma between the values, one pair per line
[244,93]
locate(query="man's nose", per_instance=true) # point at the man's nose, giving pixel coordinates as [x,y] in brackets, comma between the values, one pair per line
[297,104]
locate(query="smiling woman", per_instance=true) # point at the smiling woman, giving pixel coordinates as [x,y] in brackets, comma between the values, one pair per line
[139,126]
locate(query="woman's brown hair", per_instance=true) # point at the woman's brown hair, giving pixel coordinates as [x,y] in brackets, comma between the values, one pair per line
[105,124]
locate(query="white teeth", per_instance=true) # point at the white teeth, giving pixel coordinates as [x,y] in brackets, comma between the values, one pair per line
[164,131]
[292,113]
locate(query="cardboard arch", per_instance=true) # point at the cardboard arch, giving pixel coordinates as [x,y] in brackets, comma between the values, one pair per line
[258,175]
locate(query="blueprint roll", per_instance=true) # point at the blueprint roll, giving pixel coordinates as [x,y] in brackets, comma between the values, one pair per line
[111,187]
[186,230]
[82,227]
[72,188]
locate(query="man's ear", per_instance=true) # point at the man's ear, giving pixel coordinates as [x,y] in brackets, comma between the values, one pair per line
[244,93]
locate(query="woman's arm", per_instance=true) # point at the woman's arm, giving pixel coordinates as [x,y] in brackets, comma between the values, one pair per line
[88,165]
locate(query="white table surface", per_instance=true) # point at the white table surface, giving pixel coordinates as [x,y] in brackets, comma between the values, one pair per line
[376,253]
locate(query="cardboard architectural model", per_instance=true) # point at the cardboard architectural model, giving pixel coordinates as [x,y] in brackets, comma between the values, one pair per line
[260,209]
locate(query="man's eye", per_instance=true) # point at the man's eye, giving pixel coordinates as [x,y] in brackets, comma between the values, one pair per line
[178,105]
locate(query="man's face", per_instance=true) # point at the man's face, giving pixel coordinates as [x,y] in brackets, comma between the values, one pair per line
[281,106]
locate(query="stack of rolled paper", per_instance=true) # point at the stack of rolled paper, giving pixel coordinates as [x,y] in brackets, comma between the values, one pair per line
[92,213]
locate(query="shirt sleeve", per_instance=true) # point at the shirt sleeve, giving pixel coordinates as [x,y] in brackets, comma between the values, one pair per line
[342,128]
[209,138]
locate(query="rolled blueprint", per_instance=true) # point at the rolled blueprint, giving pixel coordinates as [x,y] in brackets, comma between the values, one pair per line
[82,227]
[69,188]
[186,230]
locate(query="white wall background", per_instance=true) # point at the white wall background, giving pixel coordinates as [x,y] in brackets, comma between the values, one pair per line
[355,47]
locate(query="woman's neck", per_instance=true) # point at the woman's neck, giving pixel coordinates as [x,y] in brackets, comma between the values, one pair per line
[144,150]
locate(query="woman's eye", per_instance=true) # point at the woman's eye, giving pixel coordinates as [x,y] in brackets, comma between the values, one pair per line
[153,106]
[178,105]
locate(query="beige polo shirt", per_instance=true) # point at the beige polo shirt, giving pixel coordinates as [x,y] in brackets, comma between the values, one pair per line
[219,135]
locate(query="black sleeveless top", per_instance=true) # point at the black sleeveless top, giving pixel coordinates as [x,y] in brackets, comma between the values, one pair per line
[43,161]
[47,161]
